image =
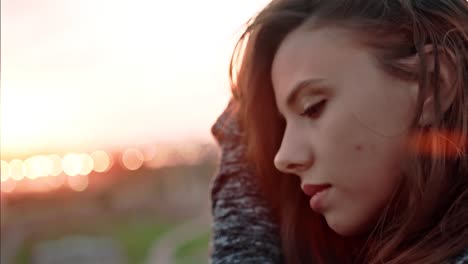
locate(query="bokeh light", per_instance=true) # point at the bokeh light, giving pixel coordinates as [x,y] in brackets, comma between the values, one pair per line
[87,164]
[5,171]
[18,169]
[55,165]
[37,167]
[71,164]
[132,159]
[78,183]
[102,161]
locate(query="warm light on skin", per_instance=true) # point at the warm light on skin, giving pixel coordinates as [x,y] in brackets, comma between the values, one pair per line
[5,171]
[132,159]
[18,169]
[72,164]
[102,161]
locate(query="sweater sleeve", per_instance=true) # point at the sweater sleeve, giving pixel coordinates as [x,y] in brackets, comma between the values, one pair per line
[462,258]
[242,229]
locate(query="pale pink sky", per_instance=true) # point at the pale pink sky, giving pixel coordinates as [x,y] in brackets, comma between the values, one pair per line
[95,73]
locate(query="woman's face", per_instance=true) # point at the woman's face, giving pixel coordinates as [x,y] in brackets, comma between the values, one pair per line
[347,125]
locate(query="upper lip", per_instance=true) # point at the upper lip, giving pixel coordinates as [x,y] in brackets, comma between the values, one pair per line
[312,189]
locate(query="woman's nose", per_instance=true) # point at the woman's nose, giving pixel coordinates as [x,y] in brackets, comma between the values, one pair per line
[293,158]
[288,166]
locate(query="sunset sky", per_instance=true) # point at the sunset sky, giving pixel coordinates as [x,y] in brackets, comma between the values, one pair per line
[105,73]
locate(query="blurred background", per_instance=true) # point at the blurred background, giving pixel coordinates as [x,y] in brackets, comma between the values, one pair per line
[106,109]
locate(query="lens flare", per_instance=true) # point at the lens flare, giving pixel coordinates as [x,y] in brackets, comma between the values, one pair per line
[438,143]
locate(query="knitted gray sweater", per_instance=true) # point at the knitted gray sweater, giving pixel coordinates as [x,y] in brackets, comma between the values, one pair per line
[242,229]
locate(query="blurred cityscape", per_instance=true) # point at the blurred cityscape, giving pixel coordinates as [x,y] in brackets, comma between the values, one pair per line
[134,205]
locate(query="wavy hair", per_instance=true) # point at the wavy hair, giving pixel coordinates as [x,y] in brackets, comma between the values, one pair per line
[435,226]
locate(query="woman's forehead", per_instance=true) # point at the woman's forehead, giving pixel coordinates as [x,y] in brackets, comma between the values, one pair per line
[322,53]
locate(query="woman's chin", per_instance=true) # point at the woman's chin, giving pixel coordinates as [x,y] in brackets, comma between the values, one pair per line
[344,228]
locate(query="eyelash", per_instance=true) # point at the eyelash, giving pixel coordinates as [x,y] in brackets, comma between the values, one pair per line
[315,110]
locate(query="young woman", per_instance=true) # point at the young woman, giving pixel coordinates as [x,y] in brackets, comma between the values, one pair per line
[355,119]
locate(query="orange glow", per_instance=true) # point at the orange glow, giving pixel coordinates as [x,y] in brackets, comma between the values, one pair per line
[87,164]
[18,169]
[447,143]
[55,165]
[5,171]
[71,164]
[132,159]
[78,183]
[102,161]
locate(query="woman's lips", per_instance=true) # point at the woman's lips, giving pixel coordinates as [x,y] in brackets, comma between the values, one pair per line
[317,192]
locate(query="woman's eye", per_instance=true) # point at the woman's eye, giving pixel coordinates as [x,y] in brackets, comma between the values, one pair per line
[314,110]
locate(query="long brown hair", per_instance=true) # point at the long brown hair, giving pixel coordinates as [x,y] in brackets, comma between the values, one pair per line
[435,226]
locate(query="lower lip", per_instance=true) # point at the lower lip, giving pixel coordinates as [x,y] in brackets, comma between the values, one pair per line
[317,201]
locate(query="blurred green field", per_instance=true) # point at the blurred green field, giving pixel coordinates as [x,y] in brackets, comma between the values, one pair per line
[136,211]
[194,251]
[136,240]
